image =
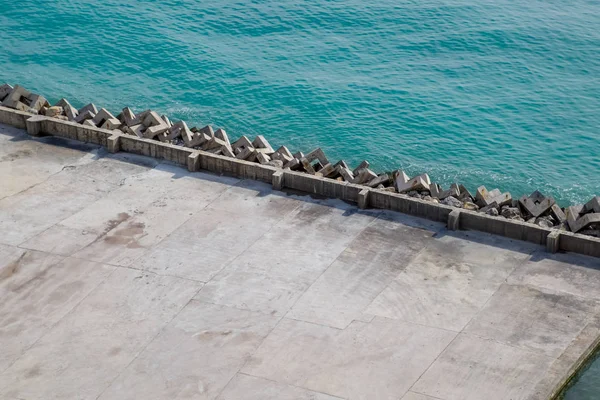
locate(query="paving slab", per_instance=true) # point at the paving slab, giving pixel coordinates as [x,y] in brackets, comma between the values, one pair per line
[568,273]
[294,296]
[381,359]
[534,319]
[218,234]
[366,267]
[141,224]
[272,273]
[195,356]
[442,290]
[36,209]
[85,351]
[473,368]
[25,163]
[36,290]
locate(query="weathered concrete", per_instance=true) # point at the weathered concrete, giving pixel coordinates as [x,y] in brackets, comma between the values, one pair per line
[220,160]
[127,277]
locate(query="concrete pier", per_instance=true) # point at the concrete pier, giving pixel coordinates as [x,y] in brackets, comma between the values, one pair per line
[123,277]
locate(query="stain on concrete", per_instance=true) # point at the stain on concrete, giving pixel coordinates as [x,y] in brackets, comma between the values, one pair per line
[64,292]
[113,223]
[114,351]
[11,268]
[16,155]
[33,372]
[127,236]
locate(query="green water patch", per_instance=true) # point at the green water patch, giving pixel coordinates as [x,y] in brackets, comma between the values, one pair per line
[585,385]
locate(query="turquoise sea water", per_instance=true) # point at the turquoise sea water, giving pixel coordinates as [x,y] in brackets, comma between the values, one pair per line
[503,93]
[587,386]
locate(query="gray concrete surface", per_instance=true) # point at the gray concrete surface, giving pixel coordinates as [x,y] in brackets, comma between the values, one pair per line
[125,278]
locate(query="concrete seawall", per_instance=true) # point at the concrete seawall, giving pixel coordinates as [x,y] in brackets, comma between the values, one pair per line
[195,160]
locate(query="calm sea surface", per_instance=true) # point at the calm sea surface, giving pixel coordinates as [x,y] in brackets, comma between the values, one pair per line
[502,93]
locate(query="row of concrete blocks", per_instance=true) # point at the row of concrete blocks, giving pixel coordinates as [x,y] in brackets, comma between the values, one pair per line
[196,160]
[150,125]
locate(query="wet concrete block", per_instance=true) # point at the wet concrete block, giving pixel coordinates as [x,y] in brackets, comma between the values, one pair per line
[592,206]
[167,120]
[465,194]
[282,154]
[556,211]
[345,173]
[484,198]
[102,116]
[84,116]
[221,134]
[70,111]
[438,192]
[584,222]
[89,122]
[5,89]
[364,175]
[315,155]
[90,107]
[261,143]
[128,117]
[18,98]
[247,154]
[263,158]
[536,204]
[226,151]
[241,144]
[380,180]
[326,171]
[294,164]
[363,165]
[404,184]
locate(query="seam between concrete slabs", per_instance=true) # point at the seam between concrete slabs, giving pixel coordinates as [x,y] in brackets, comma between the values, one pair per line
[66,314]
[249,355]
[461,331]
[116,187]
[326,269]
[422,394]
[284,315]
[149,342]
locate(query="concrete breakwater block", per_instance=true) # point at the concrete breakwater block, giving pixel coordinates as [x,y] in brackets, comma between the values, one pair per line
[150,125]
[405,184]
[22,99]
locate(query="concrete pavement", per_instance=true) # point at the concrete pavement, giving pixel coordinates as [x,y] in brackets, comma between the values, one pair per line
[125,278]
